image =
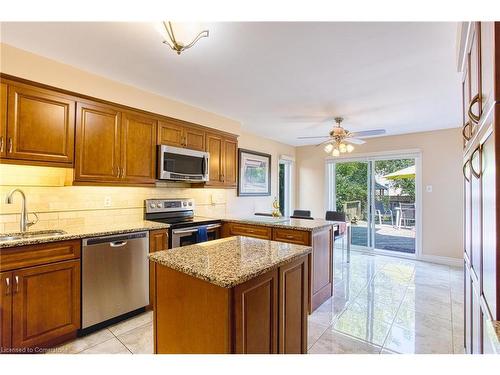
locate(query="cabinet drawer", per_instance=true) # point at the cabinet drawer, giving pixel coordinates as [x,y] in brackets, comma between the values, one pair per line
[299,237]
[251,231]
[33,255]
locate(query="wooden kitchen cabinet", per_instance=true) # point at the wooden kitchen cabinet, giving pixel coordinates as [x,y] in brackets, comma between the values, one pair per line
[45,304]
[237,229]
[293,306]
[176,133]
[40,126]
[479,48]
[5,311]
[3,120]
[223,164]
[158,240]
[256,315]
[40,294]
[114,146]
[97,143]
[138,148]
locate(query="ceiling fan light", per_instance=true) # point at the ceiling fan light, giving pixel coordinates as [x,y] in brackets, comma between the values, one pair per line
[335,152]
[342,148]
[328,148]
[350,148]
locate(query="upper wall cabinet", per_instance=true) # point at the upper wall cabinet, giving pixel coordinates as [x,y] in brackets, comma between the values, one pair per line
[176,134]
[40,125]
[97,143]
[113,146]
[223,164]
[3,119]
[138,148]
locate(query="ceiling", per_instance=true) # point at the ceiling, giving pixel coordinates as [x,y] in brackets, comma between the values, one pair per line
[280,80]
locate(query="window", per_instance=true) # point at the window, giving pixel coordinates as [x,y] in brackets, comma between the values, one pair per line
[285,185]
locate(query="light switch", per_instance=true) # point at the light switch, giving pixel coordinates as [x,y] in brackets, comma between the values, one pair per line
[107,201]
[428,188]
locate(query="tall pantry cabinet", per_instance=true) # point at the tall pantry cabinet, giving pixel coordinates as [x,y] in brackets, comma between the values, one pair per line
[478,61]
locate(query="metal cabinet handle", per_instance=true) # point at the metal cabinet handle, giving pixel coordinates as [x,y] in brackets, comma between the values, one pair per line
[474,172]
[10,145]
[474,118]
[17,283]
[463,170]
[7,286]
[122,172]
[117,172]
[1,144]
[464,128]
[118,243]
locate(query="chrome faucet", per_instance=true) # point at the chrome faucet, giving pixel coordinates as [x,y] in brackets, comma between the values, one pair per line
[24,223]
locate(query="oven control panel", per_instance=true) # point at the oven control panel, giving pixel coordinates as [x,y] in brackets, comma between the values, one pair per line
[168,205]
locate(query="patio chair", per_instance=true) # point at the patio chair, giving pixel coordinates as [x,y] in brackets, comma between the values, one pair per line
[382,213]
[407,213]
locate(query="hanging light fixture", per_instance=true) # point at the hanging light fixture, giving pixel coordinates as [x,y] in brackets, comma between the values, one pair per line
[175,40]
[328,148]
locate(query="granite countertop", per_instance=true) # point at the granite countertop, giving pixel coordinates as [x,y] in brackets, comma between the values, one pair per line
[230,261]
[83,231]
[283,222]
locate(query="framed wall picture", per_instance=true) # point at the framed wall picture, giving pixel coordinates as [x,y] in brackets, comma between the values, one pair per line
[254,177]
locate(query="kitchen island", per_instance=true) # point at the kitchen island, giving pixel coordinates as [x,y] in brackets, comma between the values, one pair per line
[232,295]
[317,233]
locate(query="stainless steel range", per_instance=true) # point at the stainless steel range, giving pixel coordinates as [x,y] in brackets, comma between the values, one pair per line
[184,226]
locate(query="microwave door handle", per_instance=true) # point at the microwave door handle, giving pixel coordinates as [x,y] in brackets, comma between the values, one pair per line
[205,165]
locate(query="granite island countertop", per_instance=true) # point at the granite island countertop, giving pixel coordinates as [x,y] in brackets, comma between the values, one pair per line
[229,261]
[84,231]
[282,222]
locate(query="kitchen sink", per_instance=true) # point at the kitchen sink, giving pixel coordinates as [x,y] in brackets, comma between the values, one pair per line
[27,235]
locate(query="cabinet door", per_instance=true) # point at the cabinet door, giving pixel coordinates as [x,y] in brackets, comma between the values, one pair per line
[489,234]
[46,303]
[475,70]
[476,213]
[256,315]
[477,322]
[97,143]
[467,310]
[322,267]
[467,127]
[487,63]
[230,174]
[293,307]
[158,240]
[194,139]
[138,148]
[170,134]
[467,207]
[3,119]
[215,167]
[5,309]
[41,126]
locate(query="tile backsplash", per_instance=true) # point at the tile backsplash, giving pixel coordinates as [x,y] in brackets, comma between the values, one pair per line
[59,206]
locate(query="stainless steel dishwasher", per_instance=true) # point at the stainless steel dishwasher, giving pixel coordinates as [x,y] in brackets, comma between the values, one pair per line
[115,276]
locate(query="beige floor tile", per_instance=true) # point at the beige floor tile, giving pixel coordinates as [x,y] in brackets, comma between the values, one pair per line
[409,341]
[424,324]
[314,331]
[113,346]
[332,342]
[139,340]
[130,324]
[361,326]
[85,342]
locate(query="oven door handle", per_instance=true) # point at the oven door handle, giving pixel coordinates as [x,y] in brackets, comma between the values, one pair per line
[192,230]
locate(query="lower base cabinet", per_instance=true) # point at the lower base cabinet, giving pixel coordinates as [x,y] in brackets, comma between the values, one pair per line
[265,315]
[40,305]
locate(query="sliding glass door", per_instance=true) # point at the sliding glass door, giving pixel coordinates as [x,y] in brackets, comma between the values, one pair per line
[379,198]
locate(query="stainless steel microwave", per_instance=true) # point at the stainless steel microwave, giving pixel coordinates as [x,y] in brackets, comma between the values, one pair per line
[181,164]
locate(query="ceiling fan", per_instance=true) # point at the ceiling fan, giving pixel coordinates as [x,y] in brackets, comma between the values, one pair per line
[341,140]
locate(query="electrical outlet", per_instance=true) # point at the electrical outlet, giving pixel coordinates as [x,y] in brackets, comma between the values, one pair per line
[428,188]
[107,201]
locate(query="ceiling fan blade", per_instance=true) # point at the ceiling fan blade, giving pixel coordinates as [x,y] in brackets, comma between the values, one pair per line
[320,136]
[322,143]
[355,141]
[368,133]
